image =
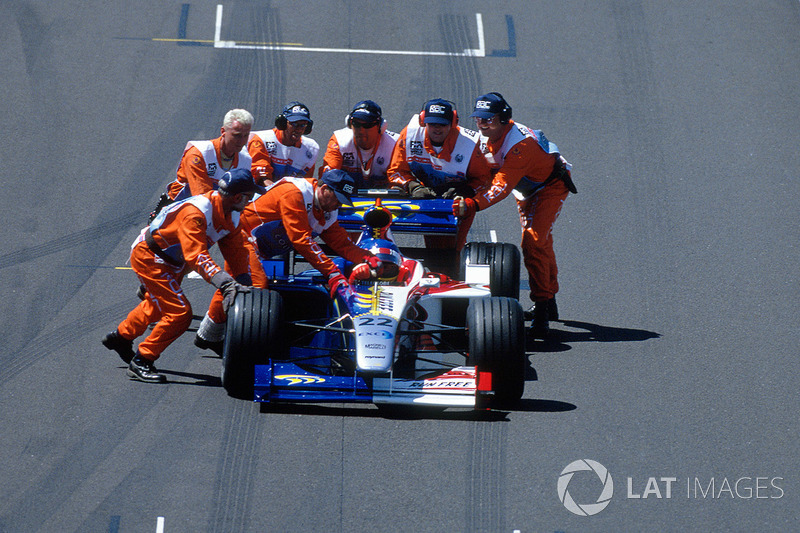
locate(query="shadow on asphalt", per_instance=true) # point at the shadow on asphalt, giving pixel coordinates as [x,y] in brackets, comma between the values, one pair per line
[392,412]
[558,339]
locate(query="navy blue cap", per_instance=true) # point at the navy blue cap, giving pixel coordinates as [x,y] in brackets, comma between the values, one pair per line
[239,180]
[366,111]
[438,111]
[489,105]
[342,184]
[296,111]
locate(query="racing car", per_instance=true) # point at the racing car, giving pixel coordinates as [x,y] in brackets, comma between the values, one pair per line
[406,336]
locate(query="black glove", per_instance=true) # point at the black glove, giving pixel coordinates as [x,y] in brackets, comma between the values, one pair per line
[418,190]
[561,172]
[228,287]
[461,189]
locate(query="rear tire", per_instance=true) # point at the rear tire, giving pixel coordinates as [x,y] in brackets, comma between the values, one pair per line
[504,265]
[496,333]
[252,336]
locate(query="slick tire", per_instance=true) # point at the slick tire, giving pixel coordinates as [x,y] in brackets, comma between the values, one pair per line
[496,344]
[252,336]
[504,265]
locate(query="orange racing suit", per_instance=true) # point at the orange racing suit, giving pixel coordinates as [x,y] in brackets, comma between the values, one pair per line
[525,162]
[201,166]
[273,160]
[368,170]
[183,233]
[459,161]
[285,217]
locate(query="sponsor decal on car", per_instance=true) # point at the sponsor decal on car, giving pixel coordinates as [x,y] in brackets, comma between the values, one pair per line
[456,379]
[297,379]
[375,346]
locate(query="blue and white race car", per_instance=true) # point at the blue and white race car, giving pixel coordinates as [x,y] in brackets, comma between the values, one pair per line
[407,336]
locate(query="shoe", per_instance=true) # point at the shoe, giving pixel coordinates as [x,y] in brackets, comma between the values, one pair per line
[144,370]
[552,310]
[215,346]
[124,347]
[540,323]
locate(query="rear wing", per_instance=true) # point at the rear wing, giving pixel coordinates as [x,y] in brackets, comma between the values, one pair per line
[411,215]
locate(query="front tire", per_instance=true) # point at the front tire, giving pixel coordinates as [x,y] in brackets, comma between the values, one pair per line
[504,265]
[496,343]
[252,336]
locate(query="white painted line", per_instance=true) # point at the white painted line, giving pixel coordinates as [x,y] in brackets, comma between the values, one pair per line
[160,524]
[481,50]
[218,31]
[468,52]
[493,235]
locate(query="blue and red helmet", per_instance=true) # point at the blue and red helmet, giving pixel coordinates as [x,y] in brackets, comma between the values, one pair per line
[389,255]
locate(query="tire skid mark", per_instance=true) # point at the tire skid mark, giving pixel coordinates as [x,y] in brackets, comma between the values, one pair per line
[462,70]
[485,477]
[465,84]
[45,345]
[118,225]
[84,479]
[263,97]
[233,494]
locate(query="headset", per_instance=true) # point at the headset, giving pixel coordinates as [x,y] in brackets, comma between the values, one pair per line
[371,107]
[281,122]
[505,114]
[422,112]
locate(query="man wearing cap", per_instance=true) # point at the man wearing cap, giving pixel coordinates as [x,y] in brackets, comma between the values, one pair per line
[284,150]
[526,164]
[291,214]
[435,157]
[204,162]
[177,241]
[363,148]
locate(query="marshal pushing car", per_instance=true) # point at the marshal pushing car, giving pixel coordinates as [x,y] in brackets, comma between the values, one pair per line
[406,336]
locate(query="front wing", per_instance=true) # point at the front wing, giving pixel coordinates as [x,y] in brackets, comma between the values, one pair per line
[288,382]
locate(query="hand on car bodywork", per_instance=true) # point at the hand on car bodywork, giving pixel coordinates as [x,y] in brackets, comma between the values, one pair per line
[418,190]
[338,285]
[464,207]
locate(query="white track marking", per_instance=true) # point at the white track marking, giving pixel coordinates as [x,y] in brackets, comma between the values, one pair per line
[468,52]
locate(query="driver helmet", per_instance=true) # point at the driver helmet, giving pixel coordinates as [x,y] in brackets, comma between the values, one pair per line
[390,257]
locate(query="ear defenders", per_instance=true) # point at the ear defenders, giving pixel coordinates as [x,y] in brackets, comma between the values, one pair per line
[422,112]
[281,121]
[370,107]
[505,114]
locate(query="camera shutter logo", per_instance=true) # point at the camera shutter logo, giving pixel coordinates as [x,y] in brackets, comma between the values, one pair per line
[585,509]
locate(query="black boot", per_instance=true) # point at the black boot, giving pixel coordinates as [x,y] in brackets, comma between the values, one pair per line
[552,310]
[144,370]
[540,323]
[215,346]
[124,347]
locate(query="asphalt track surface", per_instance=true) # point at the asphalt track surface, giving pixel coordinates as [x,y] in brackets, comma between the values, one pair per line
[675,363]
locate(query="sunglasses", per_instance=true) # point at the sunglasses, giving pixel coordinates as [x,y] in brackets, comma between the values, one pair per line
[364,125]
[480,120]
